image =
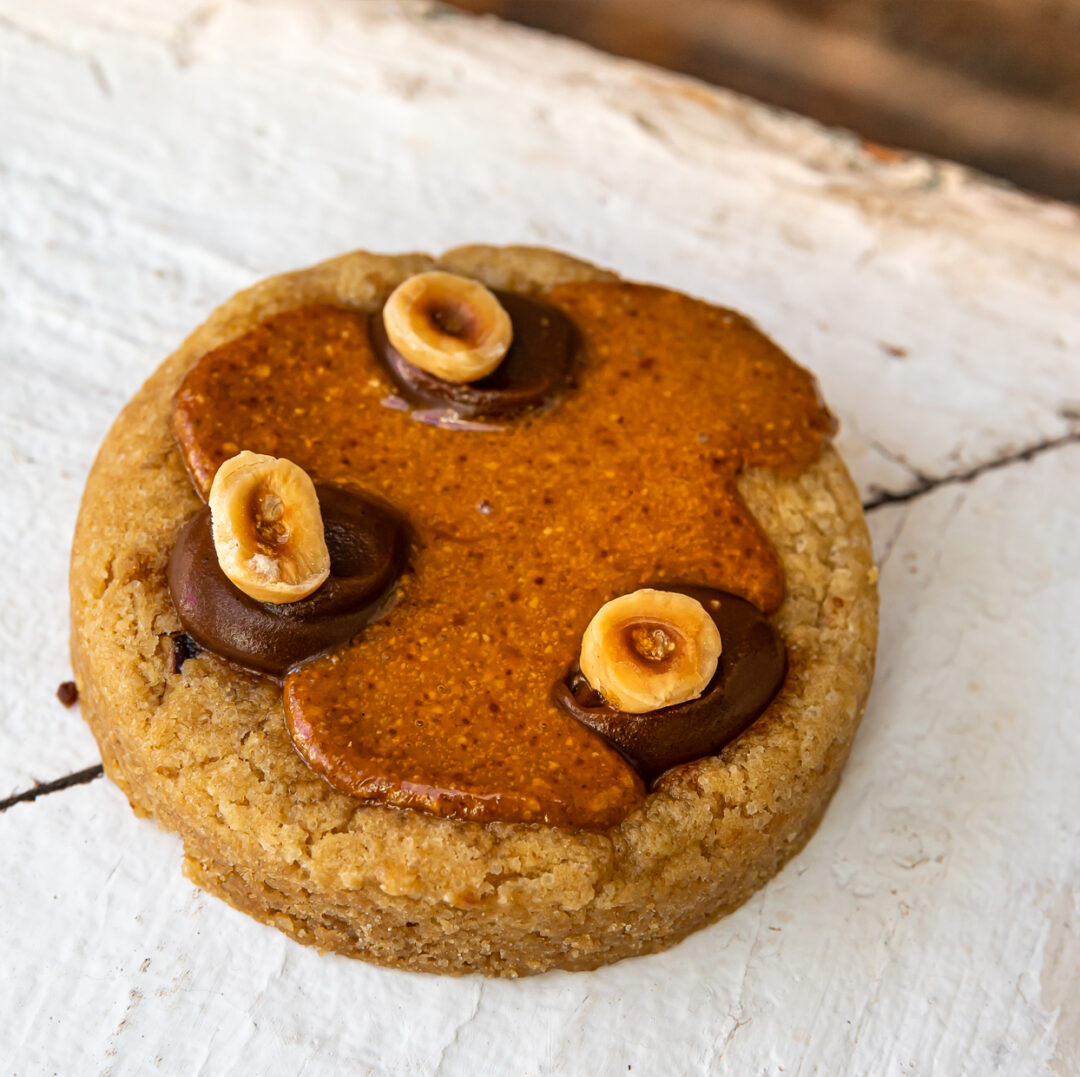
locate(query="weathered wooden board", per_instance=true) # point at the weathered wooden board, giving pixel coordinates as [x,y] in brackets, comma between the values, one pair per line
[155,157]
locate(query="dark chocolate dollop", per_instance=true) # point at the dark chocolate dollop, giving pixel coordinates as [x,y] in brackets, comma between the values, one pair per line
[752,667]
[368,546]
[531,373]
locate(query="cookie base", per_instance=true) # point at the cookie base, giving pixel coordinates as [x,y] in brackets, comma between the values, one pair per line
[205,752]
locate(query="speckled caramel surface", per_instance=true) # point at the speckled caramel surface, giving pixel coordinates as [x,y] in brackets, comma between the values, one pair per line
[207,754]
[524,530]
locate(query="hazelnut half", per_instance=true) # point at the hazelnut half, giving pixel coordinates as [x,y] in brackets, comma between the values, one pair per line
[650,649]
[268,528]
[448,325]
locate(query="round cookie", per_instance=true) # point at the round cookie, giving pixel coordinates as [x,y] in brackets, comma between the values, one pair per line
[206,753]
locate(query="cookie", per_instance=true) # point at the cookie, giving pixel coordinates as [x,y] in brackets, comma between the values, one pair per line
[436,883]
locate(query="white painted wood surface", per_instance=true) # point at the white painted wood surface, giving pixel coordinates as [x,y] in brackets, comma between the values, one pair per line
[155,157]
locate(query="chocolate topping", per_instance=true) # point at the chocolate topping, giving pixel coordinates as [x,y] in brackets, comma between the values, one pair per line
[751,669]
[531,373]
[367,544]
[183,648]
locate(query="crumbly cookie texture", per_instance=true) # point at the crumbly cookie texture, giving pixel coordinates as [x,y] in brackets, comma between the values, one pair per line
[205,751]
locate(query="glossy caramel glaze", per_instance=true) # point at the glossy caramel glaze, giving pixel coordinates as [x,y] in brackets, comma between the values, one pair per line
[523,530]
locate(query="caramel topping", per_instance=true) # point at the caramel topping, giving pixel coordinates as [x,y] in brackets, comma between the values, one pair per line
[473,761]
[523,532]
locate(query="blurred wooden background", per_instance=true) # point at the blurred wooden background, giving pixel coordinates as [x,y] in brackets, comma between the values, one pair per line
[993,83]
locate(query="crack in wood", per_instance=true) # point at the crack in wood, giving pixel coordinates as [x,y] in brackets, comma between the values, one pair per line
[40,789]
[926,484]
[919,476]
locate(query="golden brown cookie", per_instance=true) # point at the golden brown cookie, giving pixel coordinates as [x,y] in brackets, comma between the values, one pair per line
[205,750]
